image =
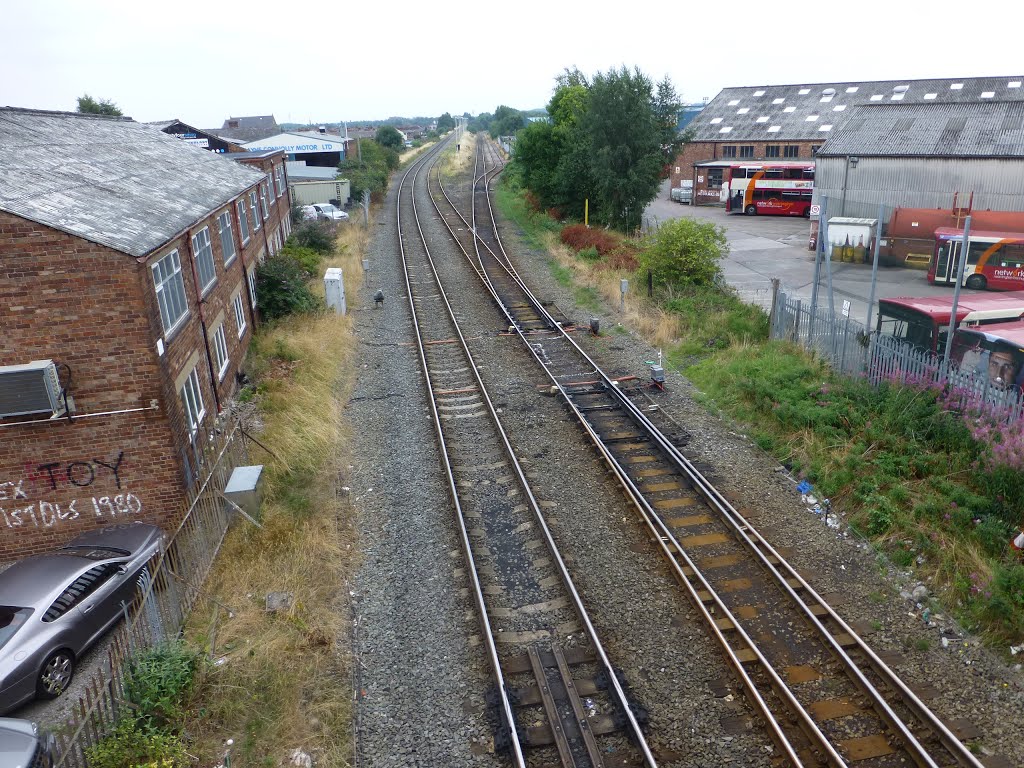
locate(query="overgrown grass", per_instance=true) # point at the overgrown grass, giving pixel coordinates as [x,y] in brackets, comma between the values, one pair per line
[278,682]
[906,473]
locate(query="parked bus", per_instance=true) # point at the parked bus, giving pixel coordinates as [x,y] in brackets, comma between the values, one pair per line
[995,350]
[994,259]
[769,188]
[924,322]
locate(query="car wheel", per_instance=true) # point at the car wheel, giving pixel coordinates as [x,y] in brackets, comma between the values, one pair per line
[976,281]
[56,675]
[751,210]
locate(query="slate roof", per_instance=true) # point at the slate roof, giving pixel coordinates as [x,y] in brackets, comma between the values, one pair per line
[245,129]
[110,180]
[811,111]
[991,129]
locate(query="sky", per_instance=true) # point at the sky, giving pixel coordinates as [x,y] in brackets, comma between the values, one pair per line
[314,62]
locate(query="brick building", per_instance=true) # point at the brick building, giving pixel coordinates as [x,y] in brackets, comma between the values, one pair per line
[127,303]
[792,122]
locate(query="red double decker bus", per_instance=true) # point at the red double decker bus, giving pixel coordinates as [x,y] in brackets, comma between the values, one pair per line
[995,260]
[924,321]
[780,189]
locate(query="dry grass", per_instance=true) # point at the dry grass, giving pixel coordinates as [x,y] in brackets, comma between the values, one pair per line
[453,163]
[283,681]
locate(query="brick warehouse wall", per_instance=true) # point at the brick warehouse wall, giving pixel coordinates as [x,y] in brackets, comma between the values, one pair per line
[702,151]
[79,303]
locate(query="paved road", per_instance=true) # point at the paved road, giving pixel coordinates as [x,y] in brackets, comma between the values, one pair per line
[763,247]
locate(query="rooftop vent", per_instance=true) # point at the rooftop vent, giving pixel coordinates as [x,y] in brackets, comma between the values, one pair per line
[29,389]
[829,92]
[901,89]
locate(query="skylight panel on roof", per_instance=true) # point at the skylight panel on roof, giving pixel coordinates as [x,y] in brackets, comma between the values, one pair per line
[987,94]
[825,127]
[725,129]
[778,101]
[774,128]
[716,120]
[930,96]
[734,102]
[877,97]
[852,89]
[897,96]
[804,91]
[810,118]
[956,86]
[763,119]
[1013,84]
[742,110]
[759,93]
[824,99]
[789,109]
[838,107]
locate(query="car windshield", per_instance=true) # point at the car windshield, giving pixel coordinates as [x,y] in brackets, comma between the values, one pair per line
[93,553]
[328,208]
[11,618]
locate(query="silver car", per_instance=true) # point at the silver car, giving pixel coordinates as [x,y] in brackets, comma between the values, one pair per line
[54,606]
[23,746]
[327,212]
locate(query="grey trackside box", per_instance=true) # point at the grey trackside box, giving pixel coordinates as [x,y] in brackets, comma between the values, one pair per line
[245,489]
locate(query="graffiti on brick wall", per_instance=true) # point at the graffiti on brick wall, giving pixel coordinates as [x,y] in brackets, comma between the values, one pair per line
[50,493]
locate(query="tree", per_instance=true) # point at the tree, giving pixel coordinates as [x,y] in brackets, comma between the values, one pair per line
[445,123]
[626,148]
[506,122]
[684,252]
[388,136]
[89,105]
[666,116]
[368,167]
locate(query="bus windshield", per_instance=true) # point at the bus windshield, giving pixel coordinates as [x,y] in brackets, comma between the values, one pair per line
[910,327]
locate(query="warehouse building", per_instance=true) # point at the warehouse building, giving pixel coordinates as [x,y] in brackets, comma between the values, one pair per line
[127,303]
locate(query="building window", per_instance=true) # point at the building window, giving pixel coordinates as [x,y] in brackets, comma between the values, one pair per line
[239,314]
[792,150]
[227,237]
[263,201]
[771,150]
[815,148]
[252,287]
[220,348]
[747,151]
[203,250]
[715,178]
[729,151]
[170,291]
[279,178]
[255,211]
[243,222]
[192,401]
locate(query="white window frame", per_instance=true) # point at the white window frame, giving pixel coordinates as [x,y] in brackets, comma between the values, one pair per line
[220,350]
[263,200]
[239,313]
[254,207]
[243,221]
[279,180]
[192,402]
[227,237]
[202,250]
[251,278]
[169,286]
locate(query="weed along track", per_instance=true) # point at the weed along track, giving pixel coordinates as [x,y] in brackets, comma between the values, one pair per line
[621,602]
[556,696]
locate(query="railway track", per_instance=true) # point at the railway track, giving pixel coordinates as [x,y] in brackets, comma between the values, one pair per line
[822,694]
[557,698]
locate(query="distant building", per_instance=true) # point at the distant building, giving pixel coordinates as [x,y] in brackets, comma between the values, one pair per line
[686,115]
[248,128]
[196,136]
[127,303]
[314,147]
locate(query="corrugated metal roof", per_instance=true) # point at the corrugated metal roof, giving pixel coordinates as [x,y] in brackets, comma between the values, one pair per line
[813,111]
[989,129]
[112,181]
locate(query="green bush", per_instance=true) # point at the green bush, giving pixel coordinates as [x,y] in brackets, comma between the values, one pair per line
[684,252]
[282,287]
[589,254]
[308,258]
[157,683]
[316,235]
[127,746]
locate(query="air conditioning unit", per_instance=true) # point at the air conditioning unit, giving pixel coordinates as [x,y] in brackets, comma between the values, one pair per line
[30,388]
